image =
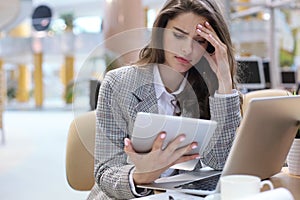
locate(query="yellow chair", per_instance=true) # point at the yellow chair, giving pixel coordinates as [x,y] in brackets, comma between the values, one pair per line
[80,152]
[262,93]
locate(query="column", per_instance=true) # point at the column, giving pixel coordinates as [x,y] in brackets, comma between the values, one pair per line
[2,86]
[38,79]
[274,52]
[2,98]
[120,17]
[68,78]
[23,84]
[69,65]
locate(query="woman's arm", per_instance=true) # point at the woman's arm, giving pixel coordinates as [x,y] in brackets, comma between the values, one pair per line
[226,111]
[111,167]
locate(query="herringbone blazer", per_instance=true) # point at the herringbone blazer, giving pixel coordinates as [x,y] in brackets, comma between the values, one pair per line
[123,93]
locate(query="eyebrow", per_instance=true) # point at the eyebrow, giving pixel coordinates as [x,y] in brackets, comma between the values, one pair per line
[186,33]
[182,31]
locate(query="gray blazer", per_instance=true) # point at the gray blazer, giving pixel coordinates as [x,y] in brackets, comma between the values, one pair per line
[123,93]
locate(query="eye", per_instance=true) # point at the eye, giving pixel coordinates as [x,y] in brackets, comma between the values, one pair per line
[201,41]
[178,35]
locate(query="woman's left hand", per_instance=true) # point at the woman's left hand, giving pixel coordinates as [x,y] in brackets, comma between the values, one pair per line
[218,60]
[149,166]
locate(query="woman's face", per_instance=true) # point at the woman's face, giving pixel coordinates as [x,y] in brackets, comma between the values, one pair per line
[183,47]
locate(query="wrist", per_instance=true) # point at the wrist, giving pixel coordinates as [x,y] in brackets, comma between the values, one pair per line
[225,87]
[141,178]
[225,83]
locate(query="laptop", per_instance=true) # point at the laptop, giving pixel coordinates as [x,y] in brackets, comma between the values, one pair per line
[260,148]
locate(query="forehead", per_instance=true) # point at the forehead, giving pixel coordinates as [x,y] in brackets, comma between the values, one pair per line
[186,22]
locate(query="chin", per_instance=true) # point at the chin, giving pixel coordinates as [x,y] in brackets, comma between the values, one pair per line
[183,68]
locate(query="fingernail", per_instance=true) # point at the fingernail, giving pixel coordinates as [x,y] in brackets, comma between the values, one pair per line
[162,136]
[207,23]
[182,138]
[194,146]
[200,26]
[198,157]
[126,142]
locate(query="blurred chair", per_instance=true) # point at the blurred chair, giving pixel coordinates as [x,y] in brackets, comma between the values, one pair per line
[80,152]
[262,93]
[2,129]
[94,92]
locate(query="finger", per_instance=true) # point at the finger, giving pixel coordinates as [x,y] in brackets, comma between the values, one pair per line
[208,36]
[186,158]
[201,29]
[158,143]
[128,148]
[213,35]
[172,146]
[186,149]
[208,29]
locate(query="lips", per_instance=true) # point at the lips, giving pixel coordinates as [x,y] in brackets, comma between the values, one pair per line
[182,60]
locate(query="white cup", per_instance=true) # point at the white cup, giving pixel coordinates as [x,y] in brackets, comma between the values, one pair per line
[276,194]
[241,186]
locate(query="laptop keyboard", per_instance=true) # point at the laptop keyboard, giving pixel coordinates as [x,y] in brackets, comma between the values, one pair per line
[209,183]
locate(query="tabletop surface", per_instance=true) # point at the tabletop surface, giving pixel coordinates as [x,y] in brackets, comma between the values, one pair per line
[288,181]
[282,179]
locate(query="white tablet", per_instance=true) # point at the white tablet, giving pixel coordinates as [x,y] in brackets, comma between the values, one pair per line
[148,125]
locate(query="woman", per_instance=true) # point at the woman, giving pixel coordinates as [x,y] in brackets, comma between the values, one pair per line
[187,69]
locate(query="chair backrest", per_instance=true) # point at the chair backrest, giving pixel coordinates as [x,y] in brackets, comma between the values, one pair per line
[80,152]
[262,93]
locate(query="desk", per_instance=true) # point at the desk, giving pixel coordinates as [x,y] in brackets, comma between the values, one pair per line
[290,182]
[282,179]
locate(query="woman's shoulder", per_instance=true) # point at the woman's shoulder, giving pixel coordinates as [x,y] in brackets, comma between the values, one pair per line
[129,72]
[127,69]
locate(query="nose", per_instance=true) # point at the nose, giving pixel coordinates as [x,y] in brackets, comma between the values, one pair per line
[187,47]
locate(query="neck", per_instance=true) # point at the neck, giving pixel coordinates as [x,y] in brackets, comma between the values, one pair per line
[170,78]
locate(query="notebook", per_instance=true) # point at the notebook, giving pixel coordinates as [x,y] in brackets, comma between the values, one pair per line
[260,148]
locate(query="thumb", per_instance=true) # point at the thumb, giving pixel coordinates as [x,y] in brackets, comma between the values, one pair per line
[128,146]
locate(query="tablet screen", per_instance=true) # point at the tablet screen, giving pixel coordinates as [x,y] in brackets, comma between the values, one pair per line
[148,125]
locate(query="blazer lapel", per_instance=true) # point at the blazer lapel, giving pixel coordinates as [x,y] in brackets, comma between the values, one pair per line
[145,92]
[147,99]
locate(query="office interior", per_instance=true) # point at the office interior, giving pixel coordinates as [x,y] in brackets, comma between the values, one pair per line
[54,54]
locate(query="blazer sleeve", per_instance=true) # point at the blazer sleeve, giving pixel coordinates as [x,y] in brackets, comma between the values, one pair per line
[111,167]
[226,111]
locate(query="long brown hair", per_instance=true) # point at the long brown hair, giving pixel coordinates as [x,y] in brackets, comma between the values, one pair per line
[154,51]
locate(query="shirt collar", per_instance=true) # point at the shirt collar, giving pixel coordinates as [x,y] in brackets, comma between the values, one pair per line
[159,86]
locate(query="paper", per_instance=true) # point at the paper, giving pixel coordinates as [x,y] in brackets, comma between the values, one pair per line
[170,195]
[189,176]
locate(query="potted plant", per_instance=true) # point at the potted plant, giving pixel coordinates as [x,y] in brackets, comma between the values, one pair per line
[68,19]
[293,158]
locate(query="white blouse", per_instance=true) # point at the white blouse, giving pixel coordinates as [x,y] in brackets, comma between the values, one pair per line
[166,101]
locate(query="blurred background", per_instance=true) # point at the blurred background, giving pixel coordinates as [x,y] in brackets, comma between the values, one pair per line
[53,54]
[46,45]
